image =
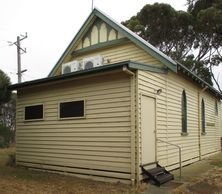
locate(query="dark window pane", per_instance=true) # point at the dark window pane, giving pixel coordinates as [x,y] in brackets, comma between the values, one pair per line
[72,109]
[184,112]
[216,108]
[34,112]
[203,116]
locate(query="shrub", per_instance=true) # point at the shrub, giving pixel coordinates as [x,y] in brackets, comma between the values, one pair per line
[5,136]
[11,160]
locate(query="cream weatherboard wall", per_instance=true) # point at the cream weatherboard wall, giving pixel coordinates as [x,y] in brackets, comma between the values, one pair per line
[97,146]
[118,53]
[168,118]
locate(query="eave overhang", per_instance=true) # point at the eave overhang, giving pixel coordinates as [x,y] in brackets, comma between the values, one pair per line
[185,71]
[102,69]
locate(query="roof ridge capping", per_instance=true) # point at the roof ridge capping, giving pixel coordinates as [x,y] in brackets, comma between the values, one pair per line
[170,63]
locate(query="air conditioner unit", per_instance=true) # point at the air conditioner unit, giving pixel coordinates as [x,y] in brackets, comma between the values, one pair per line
[70,67]
[91,62]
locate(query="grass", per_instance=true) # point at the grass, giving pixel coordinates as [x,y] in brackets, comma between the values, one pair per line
[216,160]
[21,180]
[217,163]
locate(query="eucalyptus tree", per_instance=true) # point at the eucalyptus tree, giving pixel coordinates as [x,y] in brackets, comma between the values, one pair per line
[192,37]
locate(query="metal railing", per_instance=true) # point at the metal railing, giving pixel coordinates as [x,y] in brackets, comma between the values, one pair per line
[179,148]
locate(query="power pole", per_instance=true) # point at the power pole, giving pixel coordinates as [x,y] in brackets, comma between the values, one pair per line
[92,5]
[19,49]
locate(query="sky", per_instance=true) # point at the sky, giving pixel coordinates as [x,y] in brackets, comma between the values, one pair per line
[51,25]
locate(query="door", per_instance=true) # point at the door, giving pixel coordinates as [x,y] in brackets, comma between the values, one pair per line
[148,127]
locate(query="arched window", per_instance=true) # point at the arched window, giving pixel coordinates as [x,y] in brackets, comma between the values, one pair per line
[203,117]
[184,112]
[216,108]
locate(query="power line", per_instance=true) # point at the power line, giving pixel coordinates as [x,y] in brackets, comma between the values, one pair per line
[19,49]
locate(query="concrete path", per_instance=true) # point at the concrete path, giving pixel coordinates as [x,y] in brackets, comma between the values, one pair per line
[190,176]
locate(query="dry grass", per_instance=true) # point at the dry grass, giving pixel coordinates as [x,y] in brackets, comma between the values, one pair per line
[23,181]
[209,182]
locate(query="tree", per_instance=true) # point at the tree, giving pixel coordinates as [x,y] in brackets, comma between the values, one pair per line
[193,38]
[7,111]
[5,136]
[5,94]
[208,32]
[8,116]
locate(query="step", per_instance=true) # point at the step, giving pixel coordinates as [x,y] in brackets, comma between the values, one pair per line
[157,175]
[156,170]
[164,178]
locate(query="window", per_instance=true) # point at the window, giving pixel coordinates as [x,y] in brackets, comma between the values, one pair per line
[203,117]
[216,108]
[184,112]
[73,109]
[34,112]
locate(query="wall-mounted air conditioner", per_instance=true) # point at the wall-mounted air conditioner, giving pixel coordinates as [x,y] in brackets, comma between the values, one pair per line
[91,62]
[70,67]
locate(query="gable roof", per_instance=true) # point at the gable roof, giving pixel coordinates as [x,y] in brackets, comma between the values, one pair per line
[170,63]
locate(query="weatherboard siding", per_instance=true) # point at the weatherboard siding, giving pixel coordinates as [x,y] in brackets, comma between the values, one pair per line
[98,145]
[148,84]
[210,142]
[118,53]
[168,118]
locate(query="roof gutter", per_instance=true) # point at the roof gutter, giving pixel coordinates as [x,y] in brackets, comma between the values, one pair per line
[127,71]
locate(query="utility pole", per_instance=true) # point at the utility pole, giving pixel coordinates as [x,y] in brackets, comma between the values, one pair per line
[92,4]
[19,49]
[19,60]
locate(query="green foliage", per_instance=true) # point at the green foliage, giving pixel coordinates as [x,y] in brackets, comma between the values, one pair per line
[7,117]
[5,136]
[198,68]
[5,94]
[179,34]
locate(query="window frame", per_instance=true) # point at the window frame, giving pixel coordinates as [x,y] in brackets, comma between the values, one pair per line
[67,118]
[184,113]
[43,112]
[203,118]
[216,108]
